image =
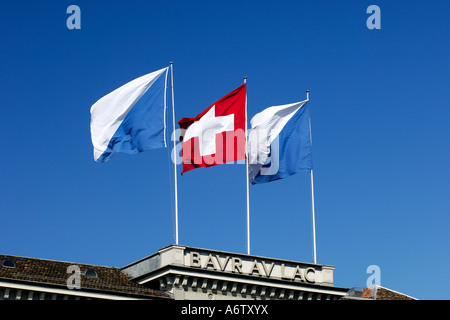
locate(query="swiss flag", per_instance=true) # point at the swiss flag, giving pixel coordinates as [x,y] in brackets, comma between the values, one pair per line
[217,135]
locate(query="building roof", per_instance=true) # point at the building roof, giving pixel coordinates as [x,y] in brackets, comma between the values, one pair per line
[41,272]
[382,293]
[375,293]
[94,279]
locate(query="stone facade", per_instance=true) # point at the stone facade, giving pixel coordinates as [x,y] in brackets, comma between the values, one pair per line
[193,273]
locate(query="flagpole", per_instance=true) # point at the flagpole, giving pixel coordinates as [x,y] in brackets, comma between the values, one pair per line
[174,159]
[312,195]
[313,218]
[246,175]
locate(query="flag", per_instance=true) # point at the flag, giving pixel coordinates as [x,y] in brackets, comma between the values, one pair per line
[279,142]
[130,119]
[217,135]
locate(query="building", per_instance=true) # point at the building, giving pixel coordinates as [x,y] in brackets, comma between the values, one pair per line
[193,273]
[178,272]
[38,279]
[375,293]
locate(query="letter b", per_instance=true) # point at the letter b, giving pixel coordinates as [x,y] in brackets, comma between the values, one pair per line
[195,260]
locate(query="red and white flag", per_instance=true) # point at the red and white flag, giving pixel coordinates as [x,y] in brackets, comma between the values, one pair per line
[217,135]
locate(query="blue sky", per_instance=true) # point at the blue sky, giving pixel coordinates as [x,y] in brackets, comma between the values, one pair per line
[379,104]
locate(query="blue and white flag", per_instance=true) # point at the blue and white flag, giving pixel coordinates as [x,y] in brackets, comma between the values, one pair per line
[279,143]
[130,119]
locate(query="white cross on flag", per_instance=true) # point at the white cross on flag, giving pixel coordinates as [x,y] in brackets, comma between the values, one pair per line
[217,135]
